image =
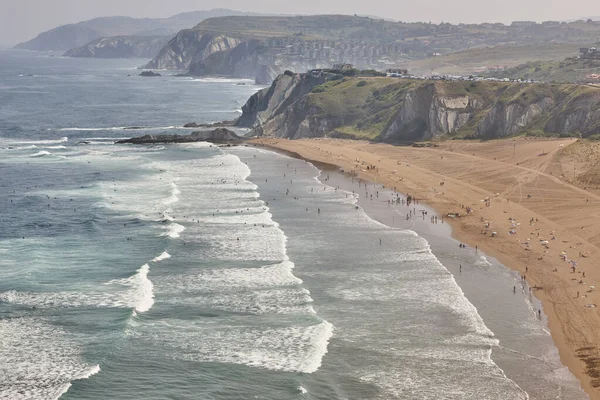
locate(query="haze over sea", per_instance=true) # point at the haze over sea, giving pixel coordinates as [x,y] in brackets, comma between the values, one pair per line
[186,271]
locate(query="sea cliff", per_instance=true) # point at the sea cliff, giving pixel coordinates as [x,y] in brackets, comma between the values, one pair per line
[121,47]
[204,53]
[406,110]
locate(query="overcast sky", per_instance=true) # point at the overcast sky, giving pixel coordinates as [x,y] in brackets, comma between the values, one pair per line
[23,19]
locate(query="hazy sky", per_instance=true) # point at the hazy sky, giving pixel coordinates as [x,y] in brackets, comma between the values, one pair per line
[23,19]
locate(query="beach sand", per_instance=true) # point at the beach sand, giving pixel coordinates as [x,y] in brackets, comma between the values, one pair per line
[526,194]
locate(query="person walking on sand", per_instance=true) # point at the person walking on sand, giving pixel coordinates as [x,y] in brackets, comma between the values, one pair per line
[514,289]
[380,242]
[459,267]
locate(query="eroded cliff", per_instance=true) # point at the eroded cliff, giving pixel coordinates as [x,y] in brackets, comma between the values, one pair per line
[190,46]
[204,53]
[121,47]
[403,110]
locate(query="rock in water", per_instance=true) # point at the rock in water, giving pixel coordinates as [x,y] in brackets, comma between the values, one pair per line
[150,73]
[219,136]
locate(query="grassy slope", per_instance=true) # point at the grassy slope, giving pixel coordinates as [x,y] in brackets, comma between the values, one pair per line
[317,26]
[443,36]
[468,62]
[365,106]
[569,70]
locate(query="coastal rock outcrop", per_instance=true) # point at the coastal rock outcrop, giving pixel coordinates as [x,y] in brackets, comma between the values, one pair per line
[406,110]
[268,107]
[424,114]
[204,53]
[121,47]
[218,136]
[190,47]
[150,73]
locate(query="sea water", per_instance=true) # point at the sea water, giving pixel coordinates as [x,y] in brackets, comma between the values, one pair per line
[192,271]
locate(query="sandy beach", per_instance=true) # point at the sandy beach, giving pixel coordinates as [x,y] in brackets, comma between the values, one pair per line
[542,224]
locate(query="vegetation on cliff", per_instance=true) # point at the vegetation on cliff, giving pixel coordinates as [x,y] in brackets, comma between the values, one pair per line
[396,110]
[570,70]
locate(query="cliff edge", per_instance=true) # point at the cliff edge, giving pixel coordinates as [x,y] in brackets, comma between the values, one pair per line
[396,110]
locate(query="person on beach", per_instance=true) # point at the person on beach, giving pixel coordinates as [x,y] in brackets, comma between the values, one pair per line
[460,268]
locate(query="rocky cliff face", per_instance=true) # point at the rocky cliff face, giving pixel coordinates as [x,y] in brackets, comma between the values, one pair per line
[423,114]
[204,53]
[190,47]
[399,110]
[274,109]
[121,47]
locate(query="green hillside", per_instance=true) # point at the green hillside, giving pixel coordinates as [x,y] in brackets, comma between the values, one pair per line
[574,70]
[364,107]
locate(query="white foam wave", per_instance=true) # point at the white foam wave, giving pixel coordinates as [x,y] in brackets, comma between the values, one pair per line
[298,348]
[174,230]
[113,128]
[41,154]
[60,299]
[141,293]
[97,142]
[33,146]
[118,128]
[161,257]
[174,197]
[222,80]
[39,360]
[30,142]
[55,147]
[482,262]
[92,371]
[228,279]
[230,208]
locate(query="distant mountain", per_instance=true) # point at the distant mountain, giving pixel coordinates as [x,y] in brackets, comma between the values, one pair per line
[121,47]
[69,36]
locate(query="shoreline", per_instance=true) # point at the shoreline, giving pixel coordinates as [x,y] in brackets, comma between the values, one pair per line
[571,325]
[477,275]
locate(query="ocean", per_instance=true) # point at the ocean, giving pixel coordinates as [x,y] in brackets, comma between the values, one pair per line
[200,272]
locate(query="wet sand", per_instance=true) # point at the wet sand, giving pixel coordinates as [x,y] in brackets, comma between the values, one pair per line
[523,198]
